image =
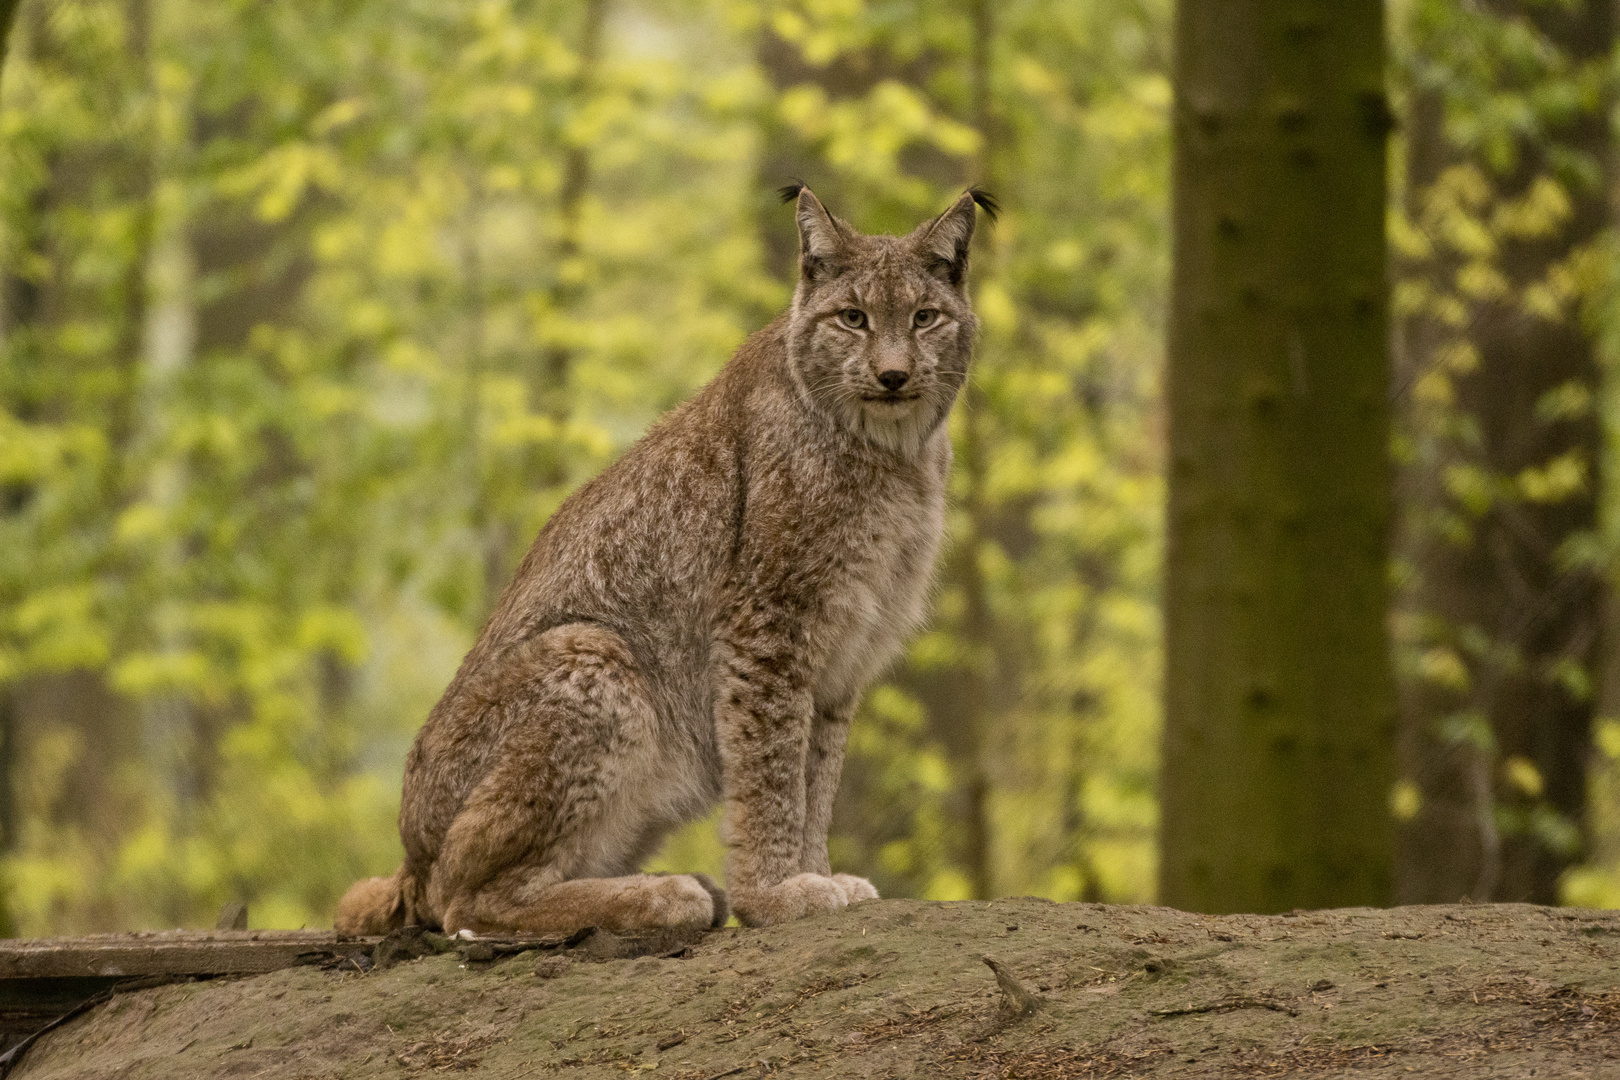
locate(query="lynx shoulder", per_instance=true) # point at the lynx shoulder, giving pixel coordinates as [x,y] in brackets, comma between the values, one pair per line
[698,623]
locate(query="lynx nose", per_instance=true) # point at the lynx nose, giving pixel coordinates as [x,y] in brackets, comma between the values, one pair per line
[892,380]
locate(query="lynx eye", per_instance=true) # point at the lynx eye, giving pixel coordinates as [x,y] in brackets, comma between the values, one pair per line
[925,317]
[854,318]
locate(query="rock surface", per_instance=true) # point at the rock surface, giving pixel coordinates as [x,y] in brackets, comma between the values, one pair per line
[900,988]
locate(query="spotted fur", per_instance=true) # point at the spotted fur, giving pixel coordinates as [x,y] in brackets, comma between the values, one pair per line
[698,622]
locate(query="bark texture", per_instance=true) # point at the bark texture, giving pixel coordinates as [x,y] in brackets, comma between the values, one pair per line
[1499,585]
[1280,706]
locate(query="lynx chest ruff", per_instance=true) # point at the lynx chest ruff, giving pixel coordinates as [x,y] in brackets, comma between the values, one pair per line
[879,596]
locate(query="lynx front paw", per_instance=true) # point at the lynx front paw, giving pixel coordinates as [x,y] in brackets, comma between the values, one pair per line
[855,888]
[682,900]
[798,896]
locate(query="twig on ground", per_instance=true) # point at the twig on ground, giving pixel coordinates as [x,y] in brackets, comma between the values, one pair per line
[1017,998]
[1225,1005]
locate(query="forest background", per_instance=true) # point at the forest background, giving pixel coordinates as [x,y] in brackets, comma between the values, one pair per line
[312,312]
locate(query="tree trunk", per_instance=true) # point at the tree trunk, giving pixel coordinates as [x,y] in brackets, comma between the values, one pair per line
[1279,700]
[8,15]
[551,376]
[9,816]
[1502,612]
[975,706]
[491,484]
[48,709]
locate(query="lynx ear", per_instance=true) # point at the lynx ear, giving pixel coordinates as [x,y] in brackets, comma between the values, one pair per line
[945,241]
[821,239]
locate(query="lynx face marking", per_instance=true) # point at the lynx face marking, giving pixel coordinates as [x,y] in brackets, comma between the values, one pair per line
[881,329]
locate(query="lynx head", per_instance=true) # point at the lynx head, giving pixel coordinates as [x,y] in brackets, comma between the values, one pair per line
[881,328]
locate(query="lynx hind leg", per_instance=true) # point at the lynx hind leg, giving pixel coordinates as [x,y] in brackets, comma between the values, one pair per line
[372,906]
[544,841]
[526,900]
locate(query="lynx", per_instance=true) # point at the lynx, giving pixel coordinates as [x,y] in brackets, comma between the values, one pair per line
[699,621]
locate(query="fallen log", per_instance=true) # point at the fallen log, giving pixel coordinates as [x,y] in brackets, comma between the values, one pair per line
[43,980]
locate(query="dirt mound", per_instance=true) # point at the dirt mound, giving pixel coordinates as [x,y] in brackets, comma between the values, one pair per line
[899,988]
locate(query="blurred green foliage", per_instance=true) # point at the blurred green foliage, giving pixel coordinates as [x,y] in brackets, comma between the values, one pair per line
[1498,231]
[313,312]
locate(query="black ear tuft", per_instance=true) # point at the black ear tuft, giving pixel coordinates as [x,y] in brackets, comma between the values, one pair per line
[987,202]
[943,243]
[821,240]
[791,191]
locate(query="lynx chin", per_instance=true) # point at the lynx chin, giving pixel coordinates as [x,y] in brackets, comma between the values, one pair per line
[698,622]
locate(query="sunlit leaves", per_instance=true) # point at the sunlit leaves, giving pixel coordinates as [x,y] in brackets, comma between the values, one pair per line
[273,542]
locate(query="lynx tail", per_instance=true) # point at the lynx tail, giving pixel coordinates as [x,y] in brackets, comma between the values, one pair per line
[373,906]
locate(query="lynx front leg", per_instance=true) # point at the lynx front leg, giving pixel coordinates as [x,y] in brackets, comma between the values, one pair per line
[824,763]
[763,719]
